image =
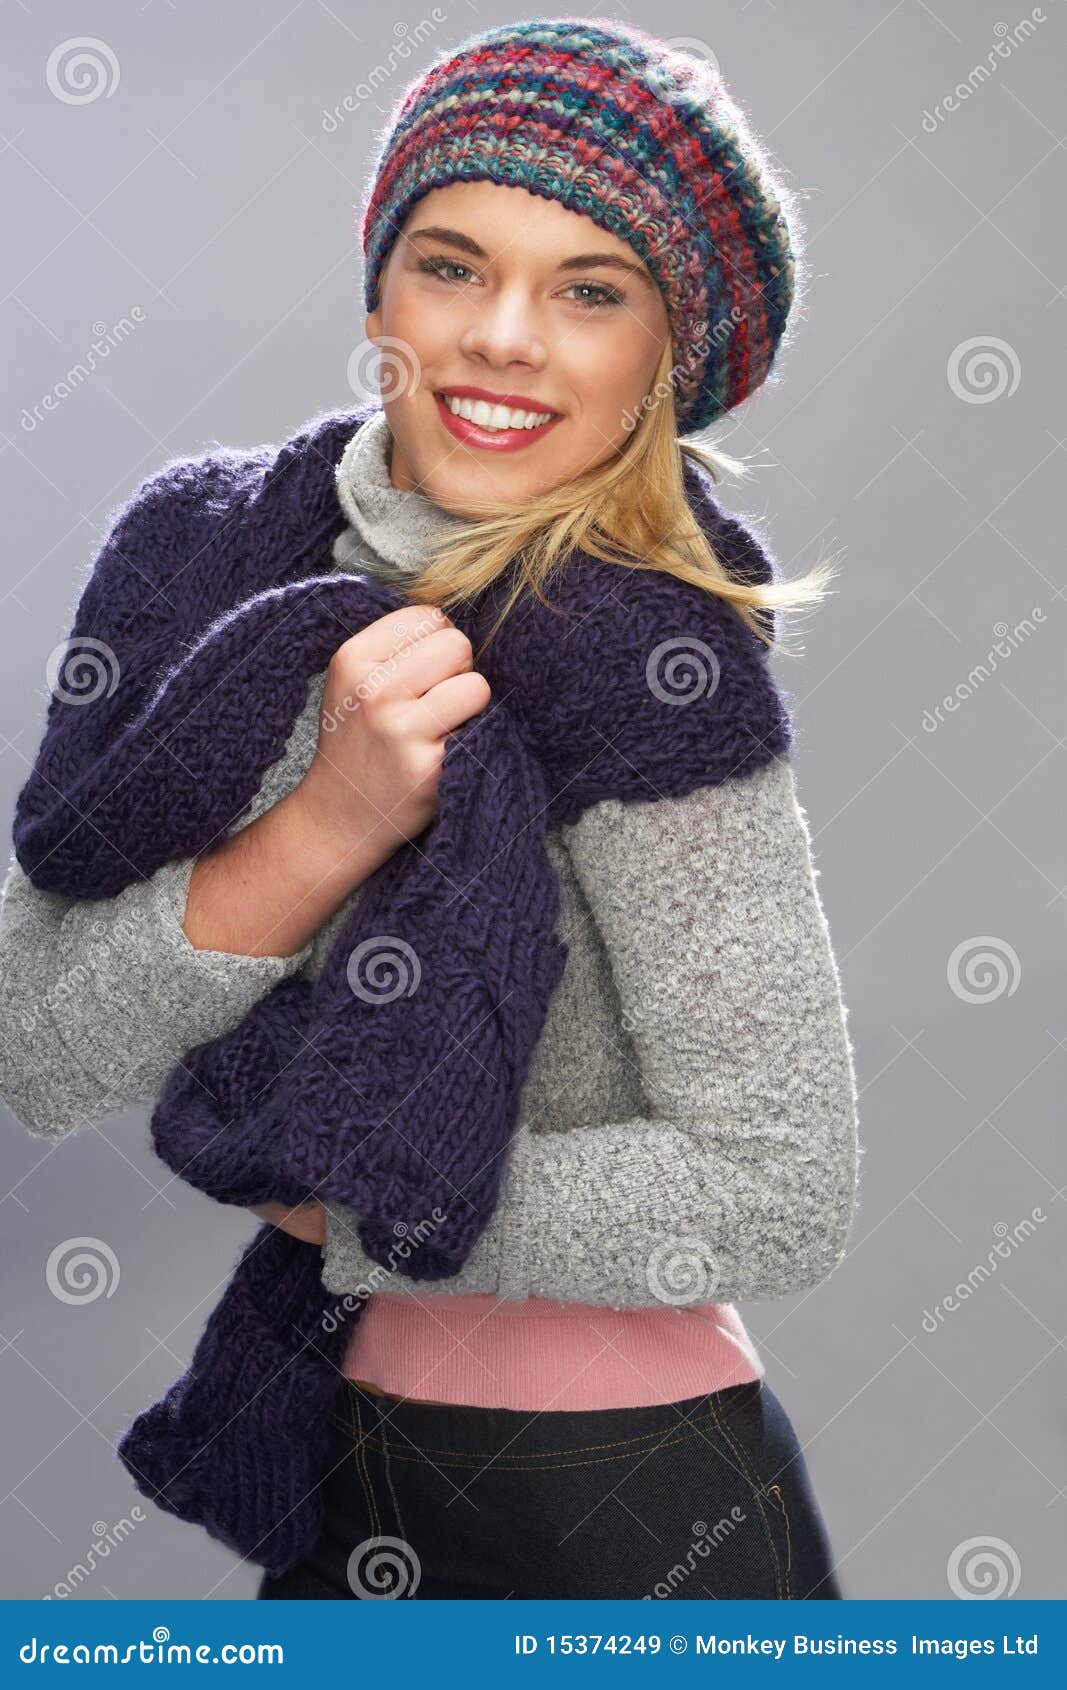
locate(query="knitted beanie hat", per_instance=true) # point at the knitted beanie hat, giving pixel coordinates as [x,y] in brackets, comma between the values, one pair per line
[640,137]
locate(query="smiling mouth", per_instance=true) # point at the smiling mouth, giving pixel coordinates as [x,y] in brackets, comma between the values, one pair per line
[496,418]
[501,427]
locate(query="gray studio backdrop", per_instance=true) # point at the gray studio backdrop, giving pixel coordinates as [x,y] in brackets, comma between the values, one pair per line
[185,270]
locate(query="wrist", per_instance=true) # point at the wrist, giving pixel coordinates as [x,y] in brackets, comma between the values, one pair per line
[330,848]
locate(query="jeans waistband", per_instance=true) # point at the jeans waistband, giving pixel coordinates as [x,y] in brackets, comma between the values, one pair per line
[379,1420]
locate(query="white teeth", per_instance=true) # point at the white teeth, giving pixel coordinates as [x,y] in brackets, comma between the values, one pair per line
[495,416]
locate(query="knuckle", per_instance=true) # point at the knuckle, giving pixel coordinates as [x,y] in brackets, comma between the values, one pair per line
[459,640]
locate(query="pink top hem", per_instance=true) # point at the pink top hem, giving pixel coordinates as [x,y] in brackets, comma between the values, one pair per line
[483,1351]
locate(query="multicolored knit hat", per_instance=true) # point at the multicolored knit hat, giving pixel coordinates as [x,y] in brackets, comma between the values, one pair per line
[637,135]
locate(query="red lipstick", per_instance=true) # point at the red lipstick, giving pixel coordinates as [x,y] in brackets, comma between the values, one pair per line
[496,439]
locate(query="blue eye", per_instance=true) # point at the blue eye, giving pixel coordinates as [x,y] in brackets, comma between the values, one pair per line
[608,296]
[435,266]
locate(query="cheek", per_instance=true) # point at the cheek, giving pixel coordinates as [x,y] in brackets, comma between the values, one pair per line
[611,373]
[422,357]
[425,331]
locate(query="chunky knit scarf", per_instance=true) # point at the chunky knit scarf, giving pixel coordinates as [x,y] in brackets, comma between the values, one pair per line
[210,606]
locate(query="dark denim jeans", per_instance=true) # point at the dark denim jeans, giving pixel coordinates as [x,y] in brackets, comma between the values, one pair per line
[706,1498]
[683,1501]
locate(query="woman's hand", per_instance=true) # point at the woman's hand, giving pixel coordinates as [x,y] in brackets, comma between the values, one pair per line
[307,1221]
[393,694]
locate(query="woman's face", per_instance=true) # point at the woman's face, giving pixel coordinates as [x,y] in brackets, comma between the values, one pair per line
[495,289]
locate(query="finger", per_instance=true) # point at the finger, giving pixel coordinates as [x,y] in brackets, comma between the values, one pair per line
[390,635]
[449,704]
[419,667]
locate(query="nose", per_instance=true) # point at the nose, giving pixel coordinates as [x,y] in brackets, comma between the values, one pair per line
[503,331]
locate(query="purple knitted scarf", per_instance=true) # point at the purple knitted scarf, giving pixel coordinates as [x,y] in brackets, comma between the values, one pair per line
[211,604]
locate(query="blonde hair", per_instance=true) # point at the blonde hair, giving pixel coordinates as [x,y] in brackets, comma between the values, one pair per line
[631,510]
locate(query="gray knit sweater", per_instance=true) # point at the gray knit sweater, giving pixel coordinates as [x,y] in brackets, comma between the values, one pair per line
[692,1103]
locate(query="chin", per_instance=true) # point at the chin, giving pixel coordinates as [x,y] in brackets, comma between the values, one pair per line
[468,501]
[452,500]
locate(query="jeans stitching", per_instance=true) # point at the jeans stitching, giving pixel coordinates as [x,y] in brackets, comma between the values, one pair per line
[757,1487]
[624,1446]
[361,1464]
[487,1455]
[774,1490]
[392,1492]
[477,1462]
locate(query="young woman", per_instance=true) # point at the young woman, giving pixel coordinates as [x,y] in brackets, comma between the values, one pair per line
[575,252]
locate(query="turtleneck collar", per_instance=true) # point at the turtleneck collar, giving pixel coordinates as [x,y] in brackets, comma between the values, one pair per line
[399,526]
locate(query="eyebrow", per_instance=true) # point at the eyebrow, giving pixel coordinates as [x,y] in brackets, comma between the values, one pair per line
[582,261]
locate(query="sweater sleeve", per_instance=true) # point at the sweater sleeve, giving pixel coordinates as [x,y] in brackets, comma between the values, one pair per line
[100,998]
[740,1179]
